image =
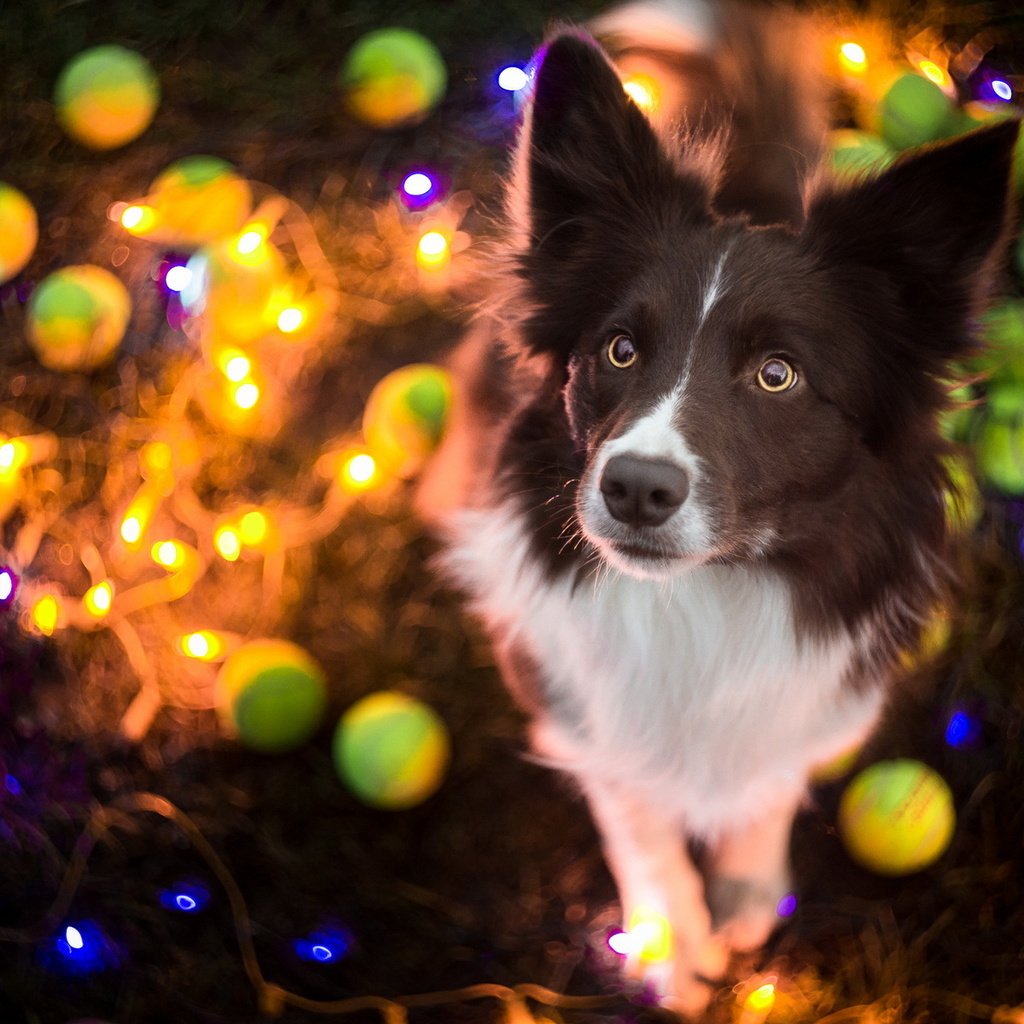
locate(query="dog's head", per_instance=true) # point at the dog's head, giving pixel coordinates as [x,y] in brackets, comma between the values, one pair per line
[734,391]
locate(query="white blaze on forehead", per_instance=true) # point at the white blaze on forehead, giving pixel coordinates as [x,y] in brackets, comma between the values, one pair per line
[715,289]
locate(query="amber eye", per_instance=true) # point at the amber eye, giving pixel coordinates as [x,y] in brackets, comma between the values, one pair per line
[776,375]
[621,351]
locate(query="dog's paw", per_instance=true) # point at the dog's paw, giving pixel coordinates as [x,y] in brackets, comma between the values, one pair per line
[744,912]
[679,963]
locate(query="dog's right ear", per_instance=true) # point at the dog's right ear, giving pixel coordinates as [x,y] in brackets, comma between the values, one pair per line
[589,179]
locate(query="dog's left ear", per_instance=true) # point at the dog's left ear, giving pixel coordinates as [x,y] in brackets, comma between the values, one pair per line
[925,235]
[589,169]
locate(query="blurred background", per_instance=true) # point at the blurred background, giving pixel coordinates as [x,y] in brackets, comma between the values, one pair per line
[255,761]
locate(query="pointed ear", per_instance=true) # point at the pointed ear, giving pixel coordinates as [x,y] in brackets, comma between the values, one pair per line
[589,170]
[926,234]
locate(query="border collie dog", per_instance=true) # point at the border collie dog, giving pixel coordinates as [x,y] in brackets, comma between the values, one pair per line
[693,481]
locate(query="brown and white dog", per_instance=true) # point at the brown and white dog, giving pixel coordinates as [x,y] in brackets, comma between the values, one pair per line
[693,483]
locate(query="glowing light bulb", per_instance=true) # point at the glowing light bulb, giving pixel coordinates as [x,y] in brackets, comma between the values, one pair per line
[178,278]
[651,935]
[622,943]
[359,471]
[236,368]
[185,898]
[933,72]
[138,219]
[73,937]
[643,91]
[246,395]
[290,320]
[99,599]
[761,1000]
[253,528]
[1001,89]
[250,240]
[13,455]
[45,614]
[512,79]
[852,57]
[169,554]
[786,907]
[432,249]
[202,645]
[8,583]
[417,184]
[227,543]
[131,529]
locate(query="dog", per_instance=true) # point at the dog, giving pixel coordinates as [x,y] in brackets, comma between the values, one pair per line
[693,483]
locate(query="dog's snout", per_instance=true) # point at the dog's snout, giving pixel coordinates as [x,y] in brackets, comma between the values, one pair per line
[643,492]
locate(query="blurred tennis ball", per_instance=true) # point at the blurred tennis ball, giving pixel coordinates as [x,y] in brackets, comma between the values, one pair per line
[405,416]
[77,317]
[272,693]
[106,96]
[392,77]
[999,451]
[19,231]
[391,750]
[897,817]
[199,199]
[913,111]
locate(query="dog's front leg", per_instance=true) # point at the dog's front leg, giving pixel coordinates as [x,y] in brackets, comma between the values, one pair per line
[748,875]
[658,884]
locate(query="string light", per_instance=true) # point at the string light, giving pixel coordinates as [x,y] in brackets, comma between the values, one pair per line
[169,554]
[853,57]
[99,599]
[358,471]
[46,614]
[513,78]
[432,250]
[8,585]
[290,320]
[178,277]
[203,645]
[1001,89]
[227,543]
[933,72]
[246,395]
[643,90]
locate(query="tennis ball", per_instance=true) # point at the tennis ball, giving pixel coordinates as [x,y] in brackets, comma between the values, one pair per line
[393,76]
[999,451]
[77,317]
[896,817]
[272,693]
[405,416]
[106,96]
[913,111]
[391,750]
[199,199]
[19,231]
[855,152]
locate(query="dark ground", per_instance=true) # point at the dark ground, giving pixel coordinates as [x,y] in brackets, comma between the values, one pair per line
[497,879]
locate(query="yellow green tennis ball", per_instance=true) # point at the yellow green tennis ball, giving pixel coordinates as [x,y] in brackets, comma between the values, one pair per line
[914,111]
[855,152]
[199,199]
[272,693]
[405,416]
[393,76]
[391,750]
[19,231]
[896,817]
[999,451]
[106,96]
[77,318]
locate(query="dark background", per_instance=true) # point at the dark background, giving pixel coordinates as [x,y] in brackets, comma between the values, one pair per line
[498,877]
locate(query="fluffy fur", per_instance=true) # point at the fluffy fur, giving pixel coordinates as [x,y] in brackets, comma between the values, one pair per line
[699,586]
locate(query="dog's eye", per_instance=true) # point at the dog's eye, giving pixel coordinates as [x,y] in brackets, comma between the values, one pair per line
[776,375]
[621,351]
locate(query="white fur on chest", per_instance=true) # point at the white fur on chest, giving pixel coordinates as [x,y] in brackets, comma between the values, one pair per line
[695,689]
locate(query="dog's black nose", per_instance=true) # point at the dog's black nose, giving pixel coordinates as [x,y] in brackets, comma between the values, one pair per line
[643,492]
